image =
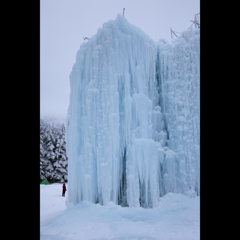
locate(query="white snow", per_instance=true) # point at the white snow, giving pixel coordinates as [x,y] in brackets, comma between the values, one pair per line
[177,217]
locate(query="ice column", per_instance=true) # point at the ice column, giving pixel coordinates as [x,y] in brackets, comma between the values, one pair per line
[132,130]
[179,78]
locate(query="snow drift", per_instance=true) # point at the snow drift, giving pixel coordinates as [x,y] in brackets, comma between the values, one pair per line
[176,218]
[132,130]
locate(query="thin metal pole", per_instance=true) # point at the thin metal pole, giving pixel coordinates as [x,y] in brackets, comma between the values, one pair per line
[196,24]
[174,33]
[191,25]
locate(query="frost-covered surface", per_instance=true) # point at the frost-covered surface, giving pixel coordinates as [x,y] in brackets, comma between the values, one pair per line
[175,218]
[179,79]
[132,130]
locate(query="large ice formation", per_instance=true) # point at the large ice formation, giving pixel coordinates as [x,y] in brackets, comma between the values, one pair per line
[133,125]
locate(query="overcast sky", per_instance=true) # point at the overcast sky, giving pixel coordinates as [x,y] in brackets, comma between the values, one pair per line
[64,23]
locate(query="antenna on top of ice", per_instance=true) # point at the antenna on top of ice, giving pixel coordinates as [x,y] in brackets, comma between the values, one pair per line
[123,11]
[173,32]
[196,21]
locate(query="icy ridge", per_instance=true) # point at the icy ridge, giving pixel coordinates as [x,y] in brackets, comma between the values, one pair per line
[122,130]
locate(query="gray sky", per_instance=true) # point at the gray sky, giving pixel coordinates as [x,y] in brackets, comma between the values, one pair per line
[64,23]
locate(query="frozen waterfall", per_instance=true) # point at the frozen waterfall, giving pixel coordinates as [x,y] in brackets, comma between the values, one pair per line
[133,125]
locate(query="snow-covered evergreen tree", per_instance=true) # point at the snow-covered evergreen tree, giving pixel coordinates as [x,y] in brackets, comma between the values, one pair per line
[43,153]
[53,152]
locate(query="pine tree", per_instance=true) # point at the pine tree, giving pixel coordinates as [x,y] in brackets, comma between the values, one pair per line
[60,153]
[44,128]
[53,152]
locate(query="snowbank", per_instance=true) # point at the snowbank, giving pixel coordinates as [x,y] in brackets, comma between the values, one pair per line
[175,218]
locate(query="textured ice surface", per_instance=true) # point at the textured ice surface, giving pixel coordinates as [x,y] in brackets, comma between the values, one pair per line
[132,130]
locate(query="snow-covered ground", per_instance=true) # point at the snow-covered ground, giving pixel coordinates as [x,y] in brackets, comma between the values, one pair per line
[177,217]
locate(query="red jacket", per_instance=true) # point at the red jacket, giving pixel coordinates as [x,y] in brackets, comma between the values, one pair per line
[64,187]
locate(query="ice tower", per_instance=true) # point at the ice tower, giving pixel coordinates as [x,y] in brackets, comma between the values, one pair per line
[133,120]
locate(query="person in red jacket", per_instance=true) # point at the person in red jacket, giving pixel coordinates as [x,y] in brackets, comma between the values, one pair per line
[64,189]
